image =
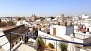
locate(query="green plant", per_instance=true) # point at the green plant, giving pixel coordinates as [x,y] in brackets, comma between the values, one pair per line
[10,23]
[51,45]
[63,46]
[41,42]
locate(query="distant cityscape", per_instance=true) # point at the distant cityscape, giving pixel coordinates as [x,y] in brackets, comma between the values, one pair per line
[32,33]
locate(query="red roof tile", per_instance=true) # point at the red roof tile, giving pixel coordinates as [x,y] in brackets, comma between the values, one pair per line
[83,30]
[8,27]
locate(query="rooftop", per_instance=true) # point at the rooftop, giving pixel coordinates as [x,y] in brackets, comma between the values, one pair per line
[28,48]
[8,27]
[2,49]
[18,29]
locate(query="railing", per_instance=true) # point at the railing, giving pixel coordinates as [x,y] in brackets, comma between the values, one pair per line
[56,40]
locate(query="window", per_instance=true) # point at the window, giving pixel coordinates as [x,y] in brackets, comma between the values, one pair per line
[20,39]
[87,29]
[48,32]
[12,45]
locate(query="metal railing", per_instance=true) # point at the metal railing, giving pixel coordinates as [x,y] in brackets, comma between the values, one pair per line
[43,38]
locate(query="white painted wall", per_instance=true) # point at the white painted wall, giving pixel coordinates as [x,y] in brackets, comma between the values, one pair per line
[61,30]
[83,38]
[40,33]
[51,29]
[83,16]
[87,41]
[75,27]
[80,49]
[78,40]
[63,36]
[3,40]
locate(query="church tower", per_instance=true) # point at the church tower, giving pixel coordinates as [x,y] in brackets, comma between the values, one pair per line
[62,16]
[33,17]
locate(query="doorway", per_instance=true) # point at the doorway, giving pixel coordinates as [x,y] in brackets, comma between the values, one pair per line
[54,31]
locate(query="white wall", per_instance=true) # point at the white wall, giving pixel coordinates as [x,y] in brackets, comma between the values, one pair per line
[48,36]
[54,42]
[87,41]
[78,40]
[83,16]
[61,30]
[4,40]
[51,29]
[75,27]
[83,38]
[64,36]
[80,49]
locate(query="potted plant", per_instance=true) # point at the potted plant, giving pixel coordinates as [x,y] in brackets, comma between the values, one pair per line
[51,45]
[63,46]
[40,42]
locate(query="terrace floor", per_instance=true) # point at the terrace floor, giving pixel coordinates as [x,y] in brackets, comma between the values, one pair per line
[2,49]
[25,47]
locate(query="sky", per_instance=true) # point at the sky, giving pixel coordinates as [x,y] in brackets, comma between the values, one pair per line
[44,7]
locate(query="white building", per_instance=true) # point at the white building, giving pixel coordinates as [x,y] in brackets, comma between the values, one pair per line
[63,33]
[85,17]
[75,18]
[82,37]
[5,40]
[58,30]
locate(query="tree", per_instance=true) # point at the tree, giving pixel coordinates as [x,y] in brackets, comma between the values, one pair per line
[3,24]
[52,17]
[63,46]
